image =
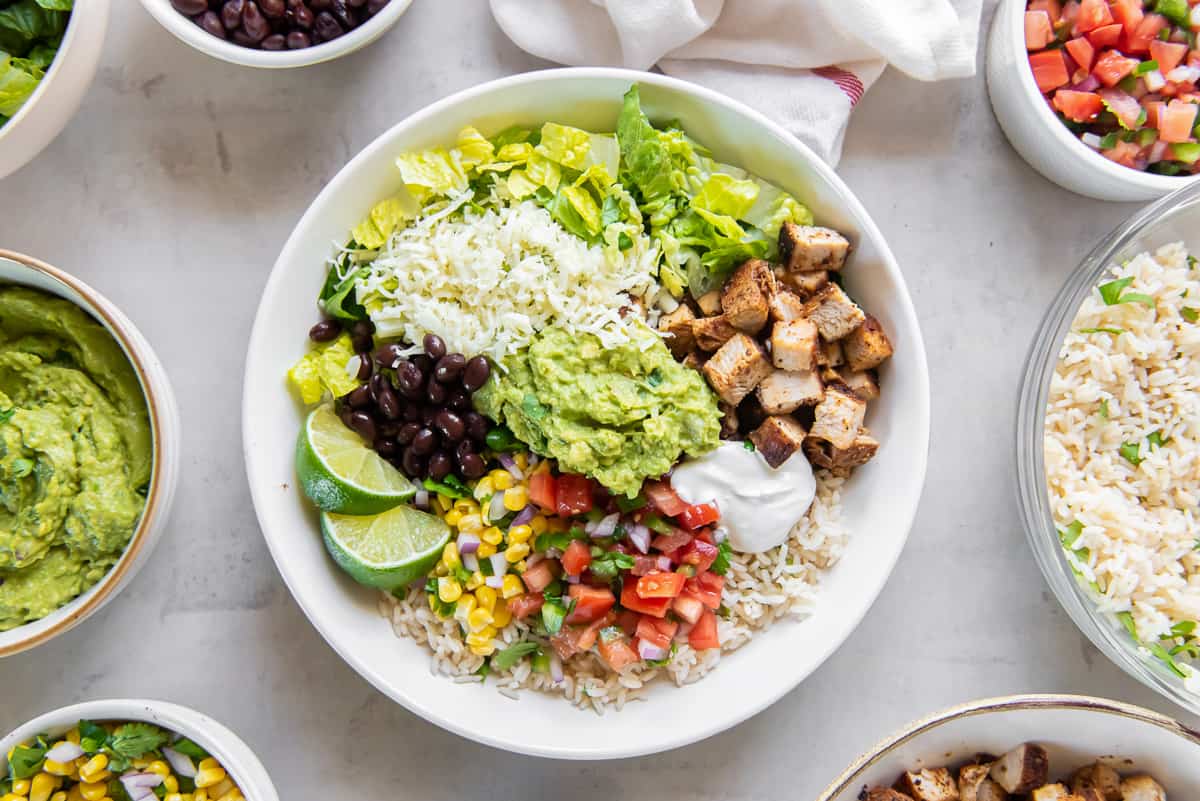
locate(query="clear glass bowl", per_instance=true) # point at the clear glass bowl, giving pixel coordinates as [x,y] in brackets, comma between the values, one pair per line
[1174,218]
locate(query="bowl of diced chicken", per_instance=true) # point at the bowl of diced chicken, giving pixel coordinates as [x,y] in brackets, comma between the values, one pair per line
[1035,747]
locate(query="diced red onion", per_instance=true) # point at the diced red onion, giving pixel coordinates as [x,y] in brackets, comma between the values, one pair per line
[352,365]
[470,561]
[467,543]
[1184,74]
[524,516]
[140,785]
[651,653]
[180,763]
[499,564]
[1195,17]
[1091,140]
[533,559]
[556,668]
[496,509]
[589,527]
[1154,80]
[65,752]
[639,535]
[1089,84]
[421,499]
[571,579]
[719,535]
[664,563]
[605,527]
[1159,151]
[495,582]
[681,633]
[533,460]
[510,464]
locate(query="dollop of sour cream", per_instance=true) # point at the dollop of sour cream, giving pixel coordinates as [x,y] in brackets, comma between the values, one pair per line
[759,504]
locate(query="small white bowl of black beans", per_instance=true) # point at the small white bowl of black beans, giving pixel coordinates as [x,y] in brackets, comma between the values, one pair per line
[277,34]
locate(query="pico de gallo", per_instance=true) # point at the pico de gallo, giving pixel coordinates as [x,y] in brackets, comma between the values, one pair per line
[587,571]
[1122,76]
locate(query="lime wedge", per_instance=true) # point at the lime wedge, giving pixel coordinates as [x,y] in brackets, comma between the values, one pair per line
[386,550]
[339,473]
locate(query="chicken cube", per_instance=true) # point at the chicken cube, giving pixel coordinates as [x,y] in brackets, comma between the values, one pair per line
[710,303]
[830,354]
[811,248]
[885,794]
[711,333]
[991,791]
[864,384]
[833,312]
[1142,788]
[1086,794]
[744,298]
[778,438]
[737,368]
[839,416]
[794,345]
[676,328]
[934,784]
[867,346]
[971,778]
[841,461]
[1102,778]
[695,360]
[1022,769]
[785,305]
[802,284]
[1050,792]
[784,391]
[729,420]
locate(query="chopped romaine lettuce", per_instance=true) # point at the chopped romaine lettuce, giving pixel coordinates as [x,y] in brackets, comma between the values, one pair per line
[324,369]
[30,34]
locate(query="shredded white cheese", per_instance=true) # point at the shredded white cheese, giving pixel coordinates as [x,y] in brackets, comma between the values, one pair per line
[487,282]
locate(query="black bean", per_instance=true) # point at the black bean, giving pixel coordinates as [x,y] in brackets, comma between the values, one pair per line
[462,449]
[412,463]
[436,393]
[345,412]
[375,6]
[254,23]
[459,400]
[272,9]
[364,327]
[476,373]
[231,14]
[362,343]
[298,40]
[388,355]
[364,424]
[327,27]
[190,7]
[376,385]
[440,465]
[243,38]
[412,413]
[477,426]
[451,425]
[424,442]
[449,367]
[389,404]
[359,398]
[342,13]
[435,346]
[472,465]
[364,365]
[320,5]
[299,15]
[423,363]
[211,22]
[388,429]
[407,433]
[428,413]
[276,41]
[386,447]
[325,331]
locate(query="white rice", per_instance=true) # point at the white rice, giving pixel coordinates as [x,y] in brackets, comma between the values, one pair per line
[1139,534]
[760,589]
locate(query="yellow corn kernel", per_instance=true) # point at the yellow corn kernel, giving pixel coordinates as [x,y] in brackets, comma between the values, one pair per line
[450,555]
[443,503]
[518,534]
[464,607]
[21,786]
[60,795]
[42,786]
[487,598]
[515,499]
[522,460]
[511,586]
[141,763]
[516,553]
[452,517]
[210,772]
[492,535]
[471,523]
[483,489]
[11,797]
[75,794]
[466,506]
[486,549]
[538,524]
[222,787]
[200,795]
[479,619]
[167,797]
[520,566]
[449,590]
[73,736]
[487,649]
[233,795]
[501,617]
[92,791]
[58,768]
[94,769]
[501,479]
[170,784]
[475,581]
[557,525]
[159,767]
[480,642]
[433,601]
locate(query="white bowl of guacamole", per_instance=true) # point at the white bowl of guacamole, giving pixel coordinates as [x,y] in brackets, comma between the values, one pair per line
[88,451]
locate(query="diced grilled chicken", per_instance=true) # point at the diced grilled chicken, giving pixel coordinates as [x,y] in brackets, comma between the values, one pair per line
[794,345]
[803,284]
[712,332]
[839,416]
[710,303]
[744,298]
[778,438]
[867,346]
[1088,794]
[841,461]
[677,330]
[784,391]
[930,784]
[1142,788]
[695,360]
[729,420]
[863,384]
[1101,778]
[970,777]
[991,791]
[785,305]
[1050,792]
[1021,769]
[810,248]
[885,794]
[833,312]
[750,413]
[737,368]
[830,354]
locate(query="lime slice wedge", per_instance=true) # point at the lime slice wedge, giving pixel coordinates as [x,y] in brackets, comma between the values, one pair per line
[386,550]
[339,473]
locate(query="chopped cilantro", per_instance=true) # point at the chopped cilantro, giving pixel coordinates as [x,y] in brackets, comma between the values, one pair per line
[25,761]
[1190,314]
[189,749]
[1132,452]
[1110,293]
[1071,534]
[513,654]
[1165,656]
[1104,408]
[6,415]
[630,504]
[132,740]
[1156,439]
[720,565]
[610,563]
[92,736]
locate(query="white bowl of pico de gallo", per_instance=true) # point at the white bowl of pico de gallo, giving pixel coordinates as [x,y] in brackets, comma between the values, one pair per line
[1100,96]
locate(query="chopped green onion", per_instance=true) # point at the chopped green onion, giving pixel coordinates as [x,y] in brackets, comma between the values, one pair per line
[1113,331]
[1071,534]
[1126,619]
[1104,408]
[1190,314]
[1156,439]
[1110,293]
[1168,660]
[1131,451]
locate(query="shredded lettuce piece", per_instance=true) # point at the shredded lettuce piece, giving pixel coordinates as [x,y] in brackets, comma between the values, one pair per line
[323,369]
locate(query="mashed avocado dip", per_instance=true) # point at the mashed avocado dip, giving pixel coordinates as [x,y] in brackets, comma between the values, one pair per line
[75,453]
[619,414]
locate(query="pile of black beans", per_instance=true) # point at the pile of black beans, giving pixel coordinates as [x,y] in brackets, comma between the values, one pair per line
[415,411]
[278,24]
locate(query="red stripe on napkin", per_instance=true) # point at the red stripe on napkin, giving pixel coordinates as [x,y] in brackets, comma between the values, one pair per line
[847,81]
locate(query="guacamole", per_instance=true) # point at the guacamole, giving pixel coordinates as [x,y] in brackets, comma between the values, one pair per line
[618,414]
[75,453]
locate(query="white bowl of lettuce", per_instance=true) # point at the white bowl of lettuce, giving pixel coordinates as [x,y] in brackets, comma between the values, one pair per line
[49,51]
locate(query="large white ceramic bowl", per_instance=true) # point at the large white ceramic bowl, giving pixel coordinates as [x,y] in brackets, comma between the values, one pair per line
[164,423]
[233,754]
[58,96]
[1040,137]
[1075,730]
[879,502]
[191,33]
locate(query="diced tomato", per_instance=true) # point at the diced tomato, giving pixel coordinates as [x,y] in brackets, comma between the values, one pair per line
[1078,106]
[542,490]
[688,607]
[617,653]
[1176,121]
[699,553]
[591,603]
[1169,55]
[627,619]
[663,498]
[1107,36]
[644,564]
[656,632]
[522,606]
[1129,13]
[1147,31]
[1093,14]
[1038,30]
[1112,67]
[660,585]
[630,599]
[704,634]
[706,588]
[1052,8]
[576,558]
[1123,153]
[1049,70]
[697,515]
[1070,13]
[1082,52]
[573,495]
[1154,110]
[573,640]
[538,576]
[669,543]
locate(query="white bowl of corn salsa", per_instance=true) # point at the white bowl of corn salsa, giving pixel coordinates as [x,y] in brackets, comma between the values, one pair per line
[131,749]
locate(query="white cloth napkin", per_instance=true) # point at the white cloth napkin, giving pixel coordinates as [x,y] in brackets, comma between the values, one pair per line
[805,63]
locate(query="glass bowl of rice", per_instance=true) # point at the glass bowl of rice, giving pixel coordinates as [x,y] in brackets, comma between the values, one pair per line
[1108,446]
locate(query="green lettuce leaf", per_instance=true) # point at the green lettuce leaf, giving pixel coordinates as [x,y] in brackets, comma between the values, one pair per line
[26,22]
[18,81]
[474,148]
[565,145]
[647,161]
[324,369]
[726,195]
[773,208]
[431,172]
[387,216]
